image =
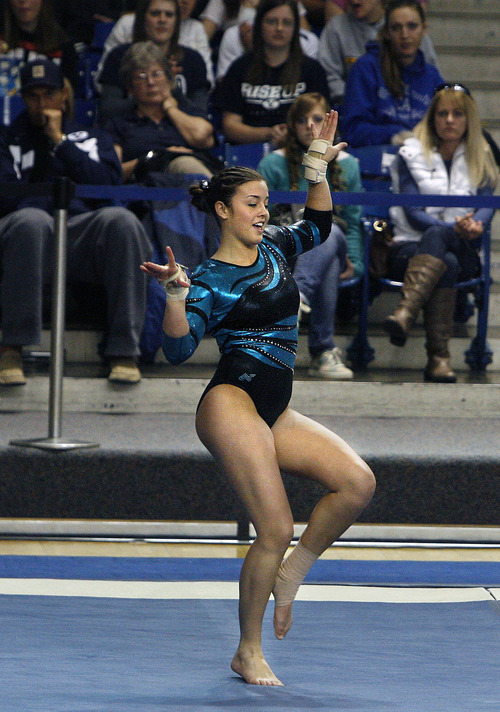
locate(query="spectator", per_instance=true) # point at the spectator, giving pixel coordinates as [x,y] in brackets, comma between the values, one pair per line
[319,271]
[334,7]
[259,87]
[218,15]
[237,40]
[191,34]
[345,37]
[104,246]
[436,247]
[389,88]
[158,21]
[79,18]
[29,30]
[320,11]
[163,123]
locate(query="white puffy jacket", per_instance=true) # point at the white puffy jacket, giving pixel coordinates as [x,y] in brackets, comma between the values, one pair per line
[431,178]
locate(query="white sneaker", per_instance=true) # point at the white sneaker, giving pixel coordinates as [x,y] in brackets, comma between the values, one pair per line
[329,364]
[304,310]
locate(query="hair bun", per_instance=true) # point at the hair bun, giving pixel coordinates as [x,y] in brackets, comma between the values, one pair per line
[199,192]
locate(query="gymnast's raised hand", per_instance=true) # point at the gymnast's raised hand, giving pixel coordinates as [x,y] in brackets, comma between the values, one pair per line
[165,273]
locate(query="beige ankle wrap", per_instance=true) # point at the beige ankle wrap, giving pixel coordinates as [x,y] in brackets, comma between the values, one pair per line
[291,573]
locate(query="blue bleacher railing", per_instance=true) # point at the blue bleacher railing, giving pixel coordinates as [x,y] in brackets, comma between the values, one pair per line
[360,351]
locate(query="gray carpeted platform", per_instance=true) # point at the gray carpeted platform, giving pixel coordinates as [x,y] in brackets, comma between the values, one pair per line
[152,466]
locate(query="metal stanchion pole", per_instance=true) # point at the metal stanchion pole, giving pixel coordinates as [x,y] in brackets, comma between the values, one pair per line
[63,192]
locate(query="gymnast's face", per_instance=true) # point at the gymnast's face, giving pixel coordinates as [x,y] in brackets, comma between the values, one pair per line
[247,215]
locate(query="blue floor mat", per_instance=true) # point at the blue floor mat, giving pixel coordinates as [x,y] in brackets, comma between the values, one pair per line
[440,573]
[105,655]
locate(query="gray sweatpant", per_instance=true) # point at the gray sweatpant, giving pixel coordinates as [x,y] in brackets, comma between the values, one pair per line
[104,247]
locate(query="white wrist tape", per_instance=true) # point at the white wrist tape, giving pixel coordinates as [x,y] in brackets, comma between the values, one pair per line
[314,169]
[174,291]
[319,145]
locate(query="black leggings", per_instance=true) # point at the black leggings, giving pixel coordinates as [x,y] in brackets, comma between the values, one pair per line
[269,387]
[459,255]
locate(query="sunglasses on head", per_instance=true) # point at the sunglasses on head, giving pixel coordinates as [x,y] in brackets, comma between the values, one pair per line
[453,87]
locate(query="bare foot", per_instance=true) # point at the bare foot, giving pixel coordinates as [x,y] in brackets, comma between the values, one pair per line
[283,620]
[254,669]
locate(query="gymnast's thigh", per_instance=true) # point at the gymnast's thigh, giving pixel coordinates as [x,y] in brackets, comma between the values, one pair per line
[308,449]
[229,426]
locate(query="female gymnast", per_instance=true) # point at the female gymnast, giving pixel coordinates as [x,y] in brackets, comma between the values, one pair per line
[246,297]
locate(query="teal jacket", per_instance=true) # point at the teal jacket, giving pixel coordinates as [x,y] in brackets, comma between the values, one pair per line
[274,169]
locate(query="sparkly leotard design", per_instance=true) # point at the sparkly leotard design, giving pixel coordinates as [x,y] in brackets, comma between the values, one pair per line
[248,309]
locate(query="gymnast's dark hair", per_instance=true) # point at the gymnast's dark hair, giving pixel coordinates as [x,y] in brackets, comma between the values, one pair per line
[222,186]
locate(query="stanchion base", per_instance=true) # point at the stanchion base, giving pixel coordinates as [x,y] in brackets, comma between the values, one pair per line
[53,444]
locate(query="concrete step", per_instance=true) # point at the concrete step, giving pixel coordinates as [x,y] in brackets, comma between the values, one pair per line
[174,394]
[471,7]
[466,29]
[486,96]
[468,68]
[412,356]
[81,347]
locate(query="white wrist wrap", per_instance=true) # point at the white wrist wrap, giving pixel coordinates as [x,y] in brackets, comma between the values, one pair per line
[314,169]
[175,292]
[319,145]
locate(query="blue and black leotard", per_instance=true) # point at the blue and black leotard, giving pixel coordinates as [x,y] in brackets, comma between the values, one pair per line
[252,313]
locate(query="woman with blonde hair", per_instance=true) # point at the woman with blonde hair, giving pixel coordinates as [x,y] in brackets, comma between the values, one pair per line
[436,247]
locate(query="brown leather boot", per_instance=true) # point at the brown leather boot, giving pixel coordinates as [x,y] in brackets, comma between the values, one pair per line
[421,276]
[438,322]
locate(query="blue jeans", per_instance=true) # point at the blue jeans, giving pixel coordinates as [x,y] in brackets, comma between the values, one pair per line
[317,274]
[459,255]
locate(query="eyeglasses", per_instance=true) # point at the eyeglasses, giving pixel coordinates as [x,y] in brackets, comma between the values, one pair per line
[453,87]
[144,76]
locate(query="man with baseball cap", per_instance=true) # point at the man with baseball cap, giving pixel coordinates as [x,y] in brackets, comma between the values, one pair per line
[104,245]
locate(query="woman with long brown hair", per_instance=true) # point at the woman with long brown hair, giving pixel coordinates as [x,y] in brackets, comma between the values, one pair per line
[258,89]
[390,87]
[29,30]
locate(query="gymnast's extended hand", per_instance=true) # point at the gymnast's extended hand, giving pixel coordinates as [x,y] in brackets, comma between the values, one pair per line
[327,133]
[164,273]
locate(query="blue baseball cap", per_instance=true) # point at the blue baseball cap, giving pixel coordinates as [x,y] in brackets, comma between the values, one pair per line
[41,73]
